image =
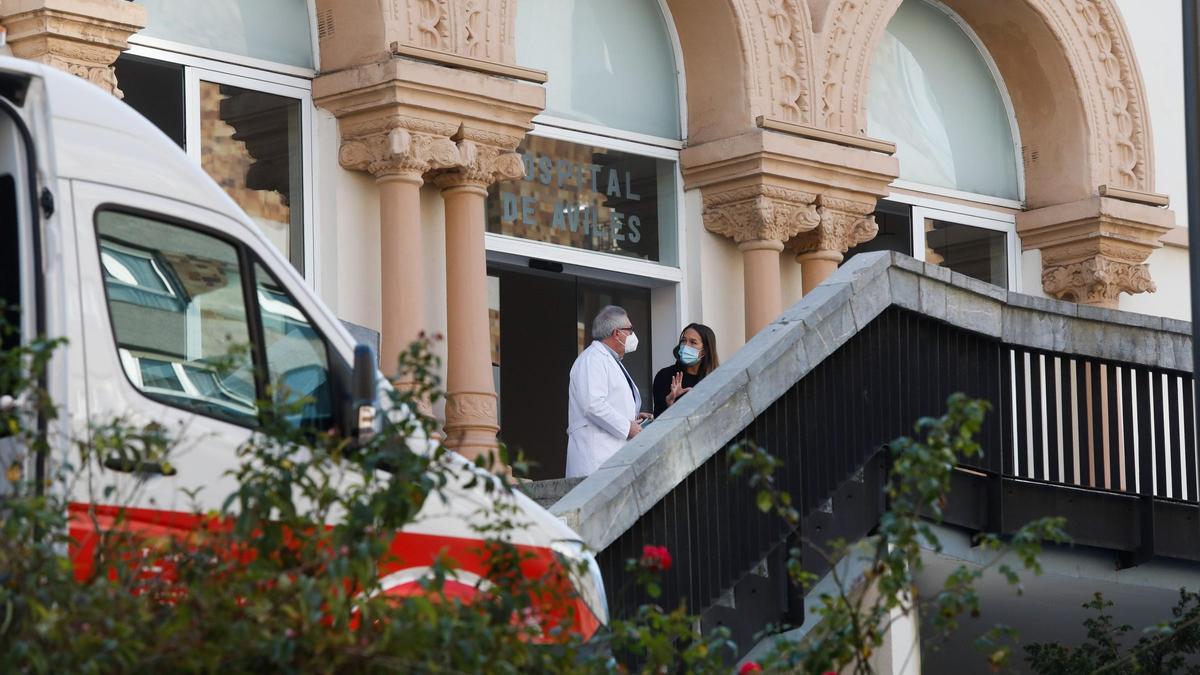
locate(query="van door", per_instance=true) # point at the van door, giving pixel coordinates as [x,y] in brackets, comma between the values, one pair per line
[33,268]
[189,329]
[15,207]
[168,342]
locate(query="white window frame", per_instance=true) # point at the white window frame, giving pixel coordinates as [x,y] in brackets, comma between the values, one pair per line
[923,208]
[197,68]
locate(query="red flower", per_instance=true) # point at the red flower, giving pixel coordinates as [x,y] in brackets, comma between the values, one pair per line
[749,667]
[656,558]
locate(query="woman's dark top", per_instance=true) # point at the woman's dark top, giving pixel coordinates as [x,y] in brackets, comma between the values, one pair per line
[662,385]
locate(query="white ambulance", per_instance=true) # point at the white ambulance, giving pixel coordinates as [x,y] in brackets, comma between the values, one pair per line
[111,237]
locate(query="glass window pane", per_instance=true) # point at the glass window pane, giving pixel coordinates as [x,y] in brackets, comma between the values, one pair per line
[250,144]
[178,314]
[610,62]
[972,251]
[297,360]
[932,93]
[154,89]
[589,198]
[272,30]
[895,230]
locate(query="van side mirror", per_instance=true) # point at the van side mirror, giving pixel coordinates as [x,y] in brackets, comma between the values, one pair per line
[364,391]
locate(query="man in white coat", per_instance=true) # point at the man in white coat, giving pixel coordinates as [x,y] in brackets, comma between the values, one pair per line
[605,406]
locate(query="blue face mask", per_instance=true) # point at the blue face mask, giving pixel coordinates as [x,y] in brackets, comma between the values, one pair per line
[689,355]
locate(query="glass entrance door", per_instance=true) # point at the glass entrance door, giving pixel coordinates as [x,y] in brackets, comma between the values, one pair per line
[541,321]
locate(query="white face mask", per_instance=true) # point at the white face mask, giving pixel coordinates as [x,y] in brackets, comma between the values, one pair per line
[631,343]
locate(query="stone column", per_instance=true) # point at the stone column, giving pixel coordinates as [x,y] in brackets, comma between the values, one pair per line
[760,218]
[762,292]
[845,223]
[398,158]
[402,277]
[471,418]
[1095,249]
[82,37]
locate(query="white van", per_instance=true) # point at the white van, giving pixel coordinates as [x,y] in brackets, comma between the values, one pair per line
[115,240]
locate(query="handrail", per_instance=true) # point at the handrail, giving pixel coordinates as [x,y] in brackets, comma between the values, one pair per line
[850,367]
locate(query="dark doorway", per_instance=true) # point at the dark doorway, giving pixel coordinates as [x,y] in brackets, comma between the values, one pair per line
[542,321]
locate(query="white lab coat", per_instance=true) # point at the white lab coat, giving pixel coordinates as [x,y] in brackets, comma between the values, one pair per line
[600,409]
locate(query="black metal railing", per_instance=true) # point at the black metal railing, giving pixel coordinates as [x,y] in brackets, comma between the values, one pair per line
[1056,418]
[1101,424]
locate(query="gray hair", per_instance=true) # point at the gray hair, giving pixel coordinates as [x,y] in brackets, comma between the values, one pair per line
[609,319]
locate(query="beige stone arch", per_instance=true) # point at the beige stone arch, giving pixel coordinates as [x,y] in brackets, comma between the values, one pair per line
[1068,66]
[743,59]
[1076,88]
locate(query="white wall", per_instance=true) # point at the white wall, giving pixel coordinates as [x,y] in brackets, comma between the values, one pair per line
[1155,27]
[1169,269]
[346,232]
[720,282]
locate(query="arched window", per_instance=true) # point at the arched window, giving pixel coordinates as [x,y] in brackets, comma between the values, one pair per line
[934,93]
[610,62]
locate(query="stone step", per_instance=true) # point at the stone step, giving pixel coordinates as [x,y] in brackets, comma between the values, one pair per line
[547,492]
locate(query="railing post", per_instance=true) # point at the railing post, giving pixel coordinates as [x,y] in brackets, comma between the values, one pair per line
[1143,383]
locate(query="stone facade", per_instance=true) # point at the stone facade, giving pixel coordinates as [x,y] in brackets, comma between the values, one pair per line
[82,37]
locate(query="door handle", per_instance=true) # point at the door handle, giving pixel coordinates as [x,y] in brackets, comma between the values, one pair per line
[129,465]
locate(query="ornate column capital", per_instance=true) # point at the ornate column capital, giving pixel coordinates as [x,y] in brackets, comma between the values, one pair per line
[481,164]
[1095,249]
[760,213]
[844,224]
[1096,280]
[415,117]
[398,151]
[82,37]
[791,183]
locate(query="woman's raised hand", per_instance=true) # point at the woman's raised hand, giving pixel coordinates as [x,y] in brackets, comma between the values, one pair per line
[677,389]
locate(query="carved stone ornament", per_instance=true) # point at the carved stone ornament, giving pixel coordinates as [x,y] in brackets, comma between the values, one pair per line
[1095,249]
[790,32]
[1097,281]
[844,224]
[760,213]
[83,39]
[481,29]
[471,426]
[480,165]
[471,409]
[398,151]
